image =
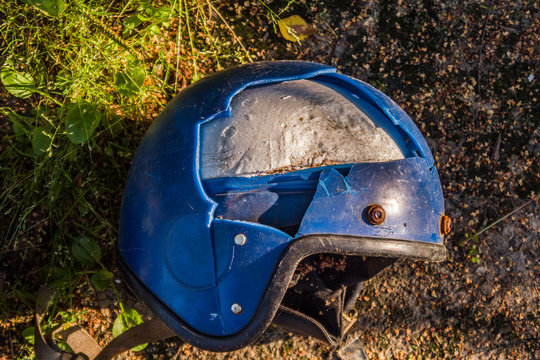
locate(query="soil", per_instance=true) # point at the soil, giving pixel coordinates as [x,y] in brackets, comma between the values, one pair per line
[467,72]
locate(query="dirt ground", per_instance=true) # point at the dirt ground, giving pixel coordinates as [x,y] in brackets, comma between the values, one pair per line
[467,72]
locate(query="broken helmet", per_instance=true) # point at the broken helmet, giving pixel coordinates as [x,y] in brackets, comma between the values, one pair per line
[269,193]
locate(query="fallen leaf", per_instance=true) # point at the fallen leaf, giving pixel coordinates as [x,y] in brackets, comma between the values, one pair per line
[295,29]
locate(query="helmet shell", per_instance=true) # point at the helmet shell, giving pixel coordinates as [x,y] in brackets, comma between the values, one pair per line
[179,245]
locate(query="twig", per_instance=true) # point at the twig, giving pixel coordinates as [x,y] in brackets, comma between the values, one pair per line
[496,149]
[11,344]
[479,74]
[507,215]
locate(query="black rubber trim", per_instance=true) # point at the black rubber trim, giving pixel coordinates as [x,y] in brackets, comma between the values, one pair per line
[267,308]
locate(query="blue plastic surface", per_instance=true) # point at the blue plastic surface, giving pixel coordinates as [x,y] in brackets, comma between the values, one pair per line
[244,270]
[407,190]
[178,235]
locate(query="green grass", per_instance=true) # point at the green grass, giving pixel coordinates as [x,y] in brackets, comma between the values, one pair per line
[81,83]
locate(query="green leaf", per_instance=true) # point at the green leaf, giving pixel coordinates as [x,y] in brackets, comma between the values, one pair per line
[28,334]
[101,279]
[81,121]
[83,209]
[41,141]
[50,7]
[57,277]
[18,130]
[125,321]
[17,122]
[161,14]
[129,83]
[154,29]
[130,23]
[86,250]
[70,316]
[17,83]
[63,345]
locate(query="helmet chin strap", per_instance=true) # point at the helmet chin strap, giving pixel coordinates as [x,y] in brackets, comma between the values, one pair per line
[323,290]
[81,342]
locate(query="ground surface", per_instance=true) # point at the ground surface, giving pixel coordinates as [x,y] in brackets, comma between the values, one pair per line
[468,73]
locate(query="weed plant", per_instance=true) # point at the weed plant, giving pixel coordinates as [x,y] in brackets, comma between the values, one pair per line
[82,80]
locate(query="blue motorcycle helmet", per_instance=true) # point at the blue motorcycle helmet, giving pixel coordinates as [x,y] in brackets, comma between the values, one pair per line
[269,193]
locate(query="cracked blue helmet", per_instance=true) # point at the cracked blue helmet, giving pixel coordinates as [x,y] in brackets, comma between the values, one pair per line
[270,192]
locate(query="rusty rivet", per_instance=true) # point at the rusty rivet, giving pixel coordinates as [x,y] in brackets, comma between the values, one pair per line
[375,214]
[446,224]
